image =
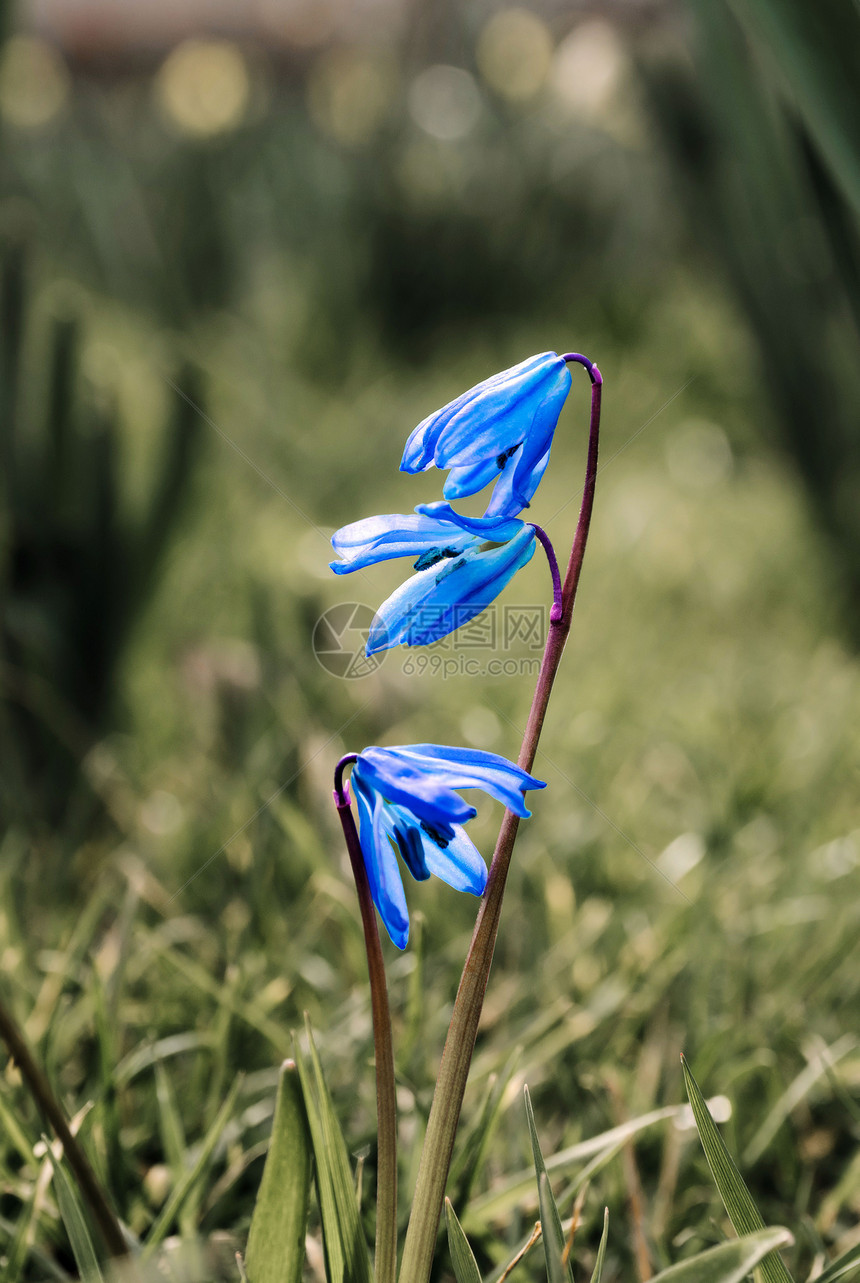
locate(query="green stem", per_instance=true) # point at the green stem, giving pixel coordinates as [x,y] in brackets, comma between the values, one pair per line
[423,1227]
[51,1110]
[385,1265]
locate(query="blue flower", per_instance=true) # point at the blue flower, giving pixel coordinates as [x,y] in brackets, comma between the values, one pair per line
[462,564]
[501,428]
[408,803]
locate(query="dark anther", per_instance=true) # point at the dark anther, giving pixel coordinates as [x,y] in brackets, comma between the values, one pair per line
[435,554]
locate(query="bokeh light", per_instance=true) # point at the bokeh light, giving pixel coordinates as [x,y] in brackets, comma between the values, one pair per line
[203,87]
[444,101]
[588,67]
[350,93]
[34,82]
[514,54]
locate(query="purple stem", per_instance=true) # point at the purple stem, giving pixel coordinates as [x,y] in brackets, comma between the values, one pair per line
[593,372]
[438,1146]
[386,1106]
[556,612]
[341,789]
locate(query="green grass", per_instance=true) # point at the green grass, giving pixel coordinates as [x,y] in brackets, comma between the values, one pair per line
[685,883]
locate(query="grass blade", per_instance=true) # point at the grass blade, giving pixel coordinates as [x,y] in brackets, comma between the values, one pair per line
[553,1235]
[347,1257]
[187,1183]
[515,1188]
[743,1213]
[77,1229]
[601,1251]
[843,1265]
[728,1263]
[276,1241]
[462,1258]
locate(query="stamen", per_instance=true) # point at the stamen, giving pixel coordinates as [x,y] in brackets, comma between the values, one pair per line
[433,555]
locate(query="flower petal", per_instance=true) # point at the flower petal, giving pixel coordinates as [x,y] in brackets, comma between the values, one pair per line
[479,423]
[466,481]
[505,501]
[421,445]
[539,436]
[363,543]
[435,602]
[383,872]
[407,784]
[491,529]
[461,768]
[500,418]
[457,862]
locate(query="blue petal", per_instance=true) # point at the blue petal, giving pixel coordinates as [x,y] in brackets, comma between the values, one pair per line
[471,423]
[458,862]
[374,539]
[466,481]
[493,529]
[500,417]
[408,785]
[461,768]
[383,873]
[538,439]
[505,501]
[435,602]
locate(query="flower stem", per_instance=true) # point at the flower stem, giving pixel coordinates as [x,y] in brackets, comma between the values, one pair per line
[423,1227]
[385,1268]
[50,1108]
[541,534]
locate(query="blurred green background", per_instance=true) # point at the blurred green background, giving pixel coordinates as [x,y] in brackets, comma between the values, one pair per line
[241,256]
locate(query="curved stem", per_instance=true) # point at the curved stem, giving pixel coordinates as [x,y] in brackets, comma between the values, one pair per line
[341,790]
[385,1266]
[555,613]
[50,1108]
[593,372]
[454,1069]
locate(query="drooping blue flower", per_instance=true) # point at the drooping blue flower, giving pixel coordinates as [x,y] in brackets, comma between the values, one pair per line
[462,564]
[408,804]
[500,429]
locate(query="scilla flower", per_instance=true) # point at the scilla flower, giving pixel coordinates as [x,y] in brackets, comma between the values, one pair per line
[501,428]
[408,804]
[462,564]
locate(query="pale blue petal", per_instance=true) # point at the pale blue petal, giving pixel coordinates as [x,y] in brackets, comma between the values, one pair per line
[433,603]
[466,481]
[380,860]
[374,539]
[460,768]
[458,862]
[492,529]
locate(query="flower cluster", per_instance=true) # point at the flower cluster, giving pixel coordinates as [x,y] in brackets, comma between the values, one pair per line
[499,431]
[408,801]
